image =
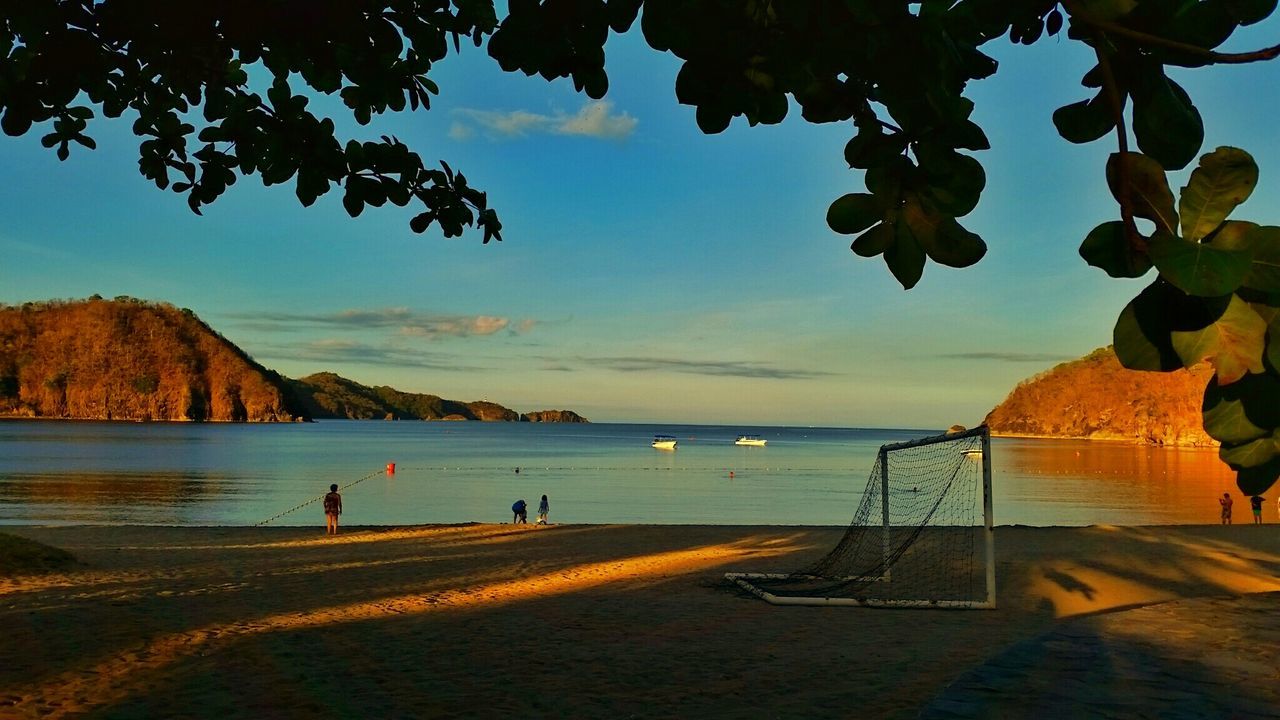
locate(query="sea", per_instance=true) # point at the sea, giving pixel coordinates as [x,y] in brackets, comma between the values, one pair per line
[186,474]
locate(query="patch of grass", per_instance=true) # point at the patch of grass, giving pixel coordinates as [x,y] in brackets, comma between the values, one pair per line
[20,556]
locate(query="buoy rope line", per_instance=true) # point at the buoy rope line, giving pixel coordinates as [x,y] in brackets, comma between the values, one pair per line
[320,497]
[523,468]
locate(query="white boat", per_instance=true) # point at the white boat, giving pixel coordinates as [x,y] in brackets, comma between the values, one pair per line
[664,442]
[755,440]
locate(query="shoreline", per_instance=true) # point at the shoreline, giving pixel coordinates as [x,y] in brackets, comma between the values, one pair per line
[481,620]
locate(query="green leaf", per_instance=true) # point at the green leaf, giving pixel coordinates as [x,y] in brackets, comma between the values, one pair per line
[874,241]
[1147,193]
[1250,454]
[1233,343]
[1242,411]
[1263,243]
[1224,179]
[853,213]
[1107,247]
[1198,268]
[1084,121]
[1142,334]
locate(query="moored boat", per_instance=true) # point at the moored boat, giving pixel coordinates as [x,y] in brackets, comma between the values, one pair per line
[754,440]
[664,442]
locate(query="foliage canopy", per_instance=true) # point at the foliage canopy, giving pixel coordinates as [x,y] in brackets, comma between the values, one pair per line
[896,70]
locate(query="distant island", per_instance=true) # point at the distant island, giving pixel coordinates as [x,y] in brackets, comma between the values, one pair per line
[1097,398]
[129,359]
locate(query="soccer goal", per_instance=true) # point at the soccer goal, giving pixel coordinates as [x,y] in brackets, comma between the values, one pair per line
[921,537]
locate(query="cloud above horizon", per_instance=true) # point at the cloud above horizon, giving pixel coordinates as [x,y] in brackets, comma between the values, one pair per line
[404,321]
[1013,357]
[346,352]
[717,368]
[594,119]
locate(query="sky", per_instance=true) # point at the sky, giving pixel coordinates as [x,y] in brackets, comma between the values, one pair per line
[648,273]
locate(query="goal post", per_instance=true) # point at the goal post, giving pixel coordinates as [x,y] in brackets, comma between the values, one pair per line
[922,535]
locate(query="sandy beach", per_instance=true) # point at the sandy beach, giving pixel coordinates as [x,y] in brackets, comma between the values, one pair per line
[580,621]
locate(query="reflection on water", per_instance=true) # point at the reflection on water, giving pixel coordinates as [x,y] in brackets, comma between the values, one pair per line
[164,498]
[189,474]
[1083,482]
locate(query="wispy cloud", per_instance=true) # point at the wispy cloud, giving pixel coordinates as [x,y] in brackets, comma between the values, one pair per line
[345,352]
[403,320]
[1013,357]
[594,119]
[719,368]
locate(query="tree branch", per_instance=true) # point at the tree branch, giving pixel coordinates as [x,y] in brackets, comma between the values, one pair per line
[1122,137]
[1150,40]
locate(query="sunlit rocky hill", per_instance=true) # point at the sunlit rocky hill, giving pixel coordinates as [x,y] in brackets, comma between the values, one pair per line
[128,359]
[1095,397]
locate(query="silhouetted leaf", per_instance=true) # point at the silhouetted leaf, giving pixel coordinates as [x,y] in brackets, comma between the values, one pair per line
[1242,411]
[1257,479]
[905,257]
[1143,332]
[1224,179]
[1084,121]
[853,213]
[1107,247]
[1166,124]
[1248,12]
[874,241]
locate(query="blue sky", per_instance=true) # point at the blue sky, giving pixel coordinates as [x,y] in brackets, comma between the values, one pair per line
[649,273]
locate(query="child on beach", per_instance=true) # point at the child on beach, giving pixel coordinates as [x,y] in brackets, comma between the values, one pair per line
[1225,502]
[544,507]
[520,512]
[1255,502]
[332,509]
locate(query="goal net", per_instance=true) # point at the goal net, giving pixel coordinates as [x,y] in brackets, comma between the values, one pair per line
[921,536]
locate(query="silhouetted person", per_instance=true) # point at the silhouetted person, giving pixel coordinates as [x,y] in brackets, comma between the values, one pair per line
[1255,503]
[1225,502]
[520,513]
[544,507]
[332,509]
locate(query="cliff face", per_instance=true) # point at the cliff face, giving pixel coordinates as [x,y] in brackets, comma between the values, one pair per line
[1095,397]
[557,416]
[129,360]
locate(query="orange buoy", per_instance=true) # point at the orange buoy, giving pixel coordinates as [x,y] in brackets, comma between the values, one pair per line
[391,468]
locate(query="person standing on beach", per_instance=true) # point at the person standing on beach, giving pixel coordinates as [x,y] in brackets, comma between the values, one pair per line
[332,509]
[520,512]
[1255,503]
[1225,502]
[544,507]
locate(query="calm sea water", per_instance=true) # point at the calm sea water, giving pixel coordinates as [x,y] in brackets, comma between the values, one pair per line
[189,474]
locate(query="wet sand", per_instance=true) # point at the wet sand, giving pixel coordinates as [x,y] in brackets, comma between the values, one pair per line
[561,621]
